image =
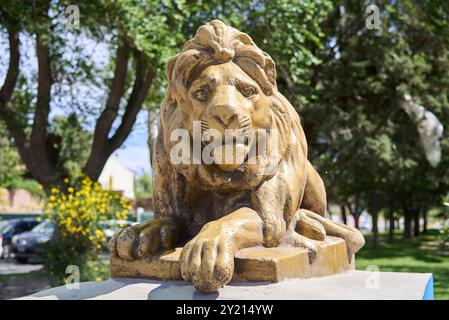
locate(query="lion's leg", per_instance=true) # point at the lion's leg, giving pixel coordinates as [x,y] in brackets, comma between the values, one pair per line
[314,198]
[147,238]
[353,237]
[307,226]
[208,259]
[304,232]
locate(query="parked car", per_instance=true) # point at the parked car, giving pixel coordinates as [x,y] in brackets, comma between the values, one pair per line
[26,246]
[11,228]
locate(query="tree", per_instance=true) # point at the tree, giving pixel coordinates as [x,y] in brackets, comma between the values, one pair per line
[364,140]
[63,66]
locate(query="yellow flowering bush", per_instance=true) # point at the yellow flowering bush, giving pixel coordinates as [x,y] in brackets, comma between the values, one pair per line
[76,213]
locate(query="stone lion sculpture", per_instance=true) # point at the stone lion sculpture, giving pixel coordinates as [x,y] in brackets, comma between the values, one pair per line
[224,81]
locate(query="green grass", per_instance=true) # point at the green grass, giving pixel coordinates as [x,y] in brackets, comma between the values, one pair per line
[416,255]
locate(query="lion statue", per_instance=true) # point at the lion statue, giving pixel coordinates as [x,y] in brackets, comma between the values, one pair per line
[223,81]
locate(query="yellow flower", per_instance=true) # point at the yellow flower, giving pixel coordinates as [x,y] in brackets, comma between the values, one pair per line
[79,212]
[66,180]
[99,233]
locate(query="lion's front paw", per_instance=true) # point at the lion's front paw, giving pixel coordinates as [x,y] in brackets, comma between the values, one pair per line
[208,260]
[145,238]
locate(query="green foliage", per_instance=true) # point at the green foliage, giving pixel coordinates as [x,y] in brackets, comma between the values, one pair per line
[364,142]
[290,31]
[11,168]
[10,171]
[73,143]
[30,185]
[143,187]
[444,235]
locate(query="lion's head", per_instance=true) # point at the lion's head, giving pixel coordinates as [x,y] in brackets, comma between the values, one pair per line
[223,81]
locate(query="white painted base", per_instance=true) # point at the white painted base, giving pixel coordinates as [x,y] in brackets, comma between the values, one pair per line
[351,285]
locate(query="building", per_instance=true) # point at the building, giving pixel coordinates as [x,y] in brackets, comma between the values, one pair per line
[115,176]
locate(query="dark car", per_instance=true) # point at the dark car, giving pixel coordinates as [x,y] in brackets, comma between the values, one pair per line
[11,228]
[26,246]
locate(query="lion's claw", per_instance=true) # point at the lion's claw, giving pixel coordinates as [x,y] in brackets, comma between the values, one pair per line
[145,239]
[208,261]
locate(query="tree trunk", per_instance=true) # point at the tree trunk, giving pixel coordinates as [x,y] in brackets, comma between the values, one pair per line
[390,225]
[408,215]
[356,220]
[416,226]
[343,214]
[375,229]
[424,226]
[102,145]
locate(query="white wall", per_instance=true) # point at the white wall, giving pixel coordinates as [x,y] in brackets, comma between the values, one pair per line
[115,176]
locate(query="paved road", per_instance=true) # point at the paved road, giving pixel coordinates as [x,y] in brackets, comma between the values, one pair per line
[10,266]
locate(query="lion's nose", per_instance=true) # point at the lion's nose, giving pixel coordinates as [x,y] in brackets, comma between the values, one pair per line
[225,119]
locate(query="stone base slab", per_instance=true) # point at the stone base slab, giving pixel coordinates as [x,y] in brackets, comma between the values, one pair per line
[352,285]
[251,264]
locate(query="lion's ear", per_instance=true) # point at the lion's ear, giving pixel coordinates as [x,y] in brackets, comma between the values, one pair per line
[270,69]
[170,65]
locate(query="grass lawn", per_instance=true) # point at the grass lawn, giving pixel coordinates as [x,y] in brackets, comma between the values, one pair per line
[417,255]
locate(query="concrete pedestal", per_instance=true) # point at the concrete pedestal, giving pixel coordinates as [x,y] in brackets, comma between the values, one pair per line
[352,285]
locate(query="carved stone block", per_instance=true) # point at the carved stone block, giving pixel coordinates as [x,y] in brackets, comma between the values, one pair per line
[251,264]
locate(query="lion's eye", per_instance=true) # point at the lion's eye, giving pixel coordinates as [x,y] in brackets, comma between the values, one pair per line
[248,91]
[200,94]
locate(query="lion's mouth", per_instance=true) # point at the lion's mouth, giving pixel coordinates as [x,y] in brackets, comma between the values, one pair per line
[231,155]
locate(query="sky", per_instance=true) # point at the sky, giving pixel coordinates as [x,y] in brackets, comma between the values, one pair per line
[134,153]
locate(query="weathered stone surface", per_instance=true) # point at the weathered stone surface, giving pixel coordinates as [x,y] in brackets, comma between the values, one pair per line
[164,266]
[271,264]
[251,264]
[332,258]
